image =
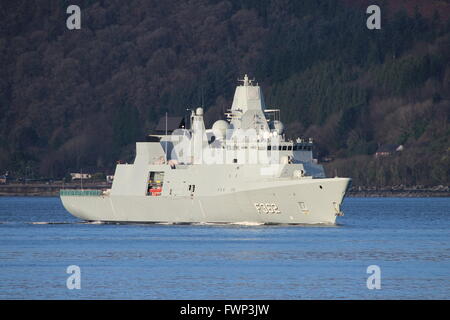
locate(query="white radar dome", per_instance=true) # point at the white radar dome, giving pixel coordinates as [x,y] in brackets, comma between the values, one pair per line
[199,111]
[220,128]
[277,126]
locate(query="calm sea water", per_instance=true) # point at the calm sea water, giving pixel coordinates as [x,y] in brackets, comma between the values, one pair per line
[409,239]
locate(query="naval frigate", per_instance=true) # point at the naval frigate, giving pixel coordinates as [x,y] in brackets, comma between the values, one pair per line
[242,170]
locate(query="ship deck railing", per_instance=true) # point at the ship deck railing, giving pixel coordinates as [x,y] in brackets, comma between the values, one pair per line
[78,192]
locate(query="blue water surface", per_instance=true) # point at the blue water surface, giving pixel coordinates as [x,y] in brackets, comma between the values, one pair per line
[408,238]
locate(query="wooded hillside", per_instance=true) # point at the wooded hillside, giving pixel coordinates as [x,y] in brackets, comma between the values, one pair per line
[72,99]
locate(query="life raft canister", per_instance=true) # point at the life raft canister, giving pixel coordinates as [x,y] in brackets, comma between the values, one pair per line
[156,191]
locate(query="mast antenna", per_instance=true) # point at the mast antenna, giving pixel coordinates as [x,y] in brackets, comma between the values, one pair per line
[166,140]
[203,99]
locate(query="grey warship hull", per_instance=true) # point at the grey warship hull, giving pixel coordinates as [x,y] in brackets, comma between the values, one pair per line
[243,170]
[309,201]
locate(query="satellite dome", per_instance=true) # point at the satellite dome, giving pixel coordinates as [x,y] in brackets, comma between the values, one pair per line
[220,128]
[277,126]
[199,111]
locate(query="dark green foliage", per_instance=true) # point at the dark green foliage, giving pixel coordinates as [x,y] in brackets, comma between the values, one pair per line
[348,121]
[73,99]
[98,176]
[125,126]
[398,76]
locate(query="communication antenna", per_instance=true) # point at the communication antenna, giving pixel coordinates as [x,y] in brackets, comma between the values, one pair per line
[166,139]
[190,117]
[203,100]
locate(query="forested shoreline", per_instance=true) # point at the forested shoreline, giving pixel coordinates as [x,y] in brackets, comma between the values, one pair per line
[52,189]
[73,99]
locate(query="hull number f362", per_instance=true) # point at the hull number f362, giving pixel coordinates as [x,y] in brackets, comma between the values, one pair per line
[268,208]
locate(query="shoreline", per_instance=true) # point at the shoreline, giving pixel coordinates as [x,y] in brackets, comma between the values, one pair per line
[45,190]
[399,192]
[52,190]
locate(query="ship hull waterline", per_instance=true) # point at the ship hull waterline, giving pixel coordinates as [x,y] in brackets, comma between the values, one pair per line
[314,202]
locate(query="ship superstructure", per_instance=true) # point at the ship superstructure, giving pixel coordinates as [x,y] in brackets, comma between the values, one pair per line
[243,169]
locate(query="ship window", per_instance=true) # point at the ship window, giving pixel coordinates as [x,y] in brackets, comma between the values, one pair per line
[284,147]
[279,147]
[234,160]
[295,148]
[269,147]
[289,147]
